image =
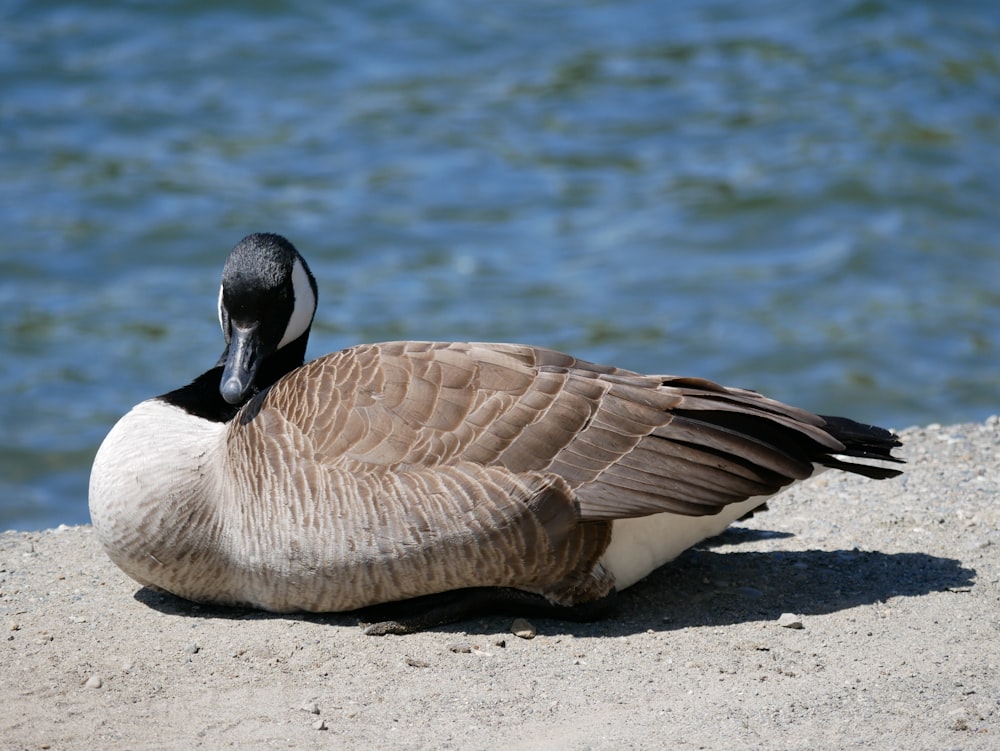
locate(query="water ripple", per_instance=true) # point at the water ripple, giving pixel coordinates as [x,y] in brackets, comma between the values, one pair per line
[799,198]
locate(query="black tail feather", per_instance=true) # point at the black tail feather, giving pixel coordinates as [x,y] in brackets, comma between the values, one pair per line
[864,442]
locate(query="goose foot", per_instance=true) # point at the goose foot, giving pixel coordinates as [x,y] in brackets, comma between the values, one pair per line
[428,611]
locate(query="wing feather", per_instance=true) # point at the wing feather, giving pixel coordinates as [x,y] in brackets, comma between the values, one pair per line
[627,444]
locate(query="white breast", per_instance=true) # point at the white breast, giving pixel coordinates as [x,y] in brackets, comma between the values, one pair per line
[150,484]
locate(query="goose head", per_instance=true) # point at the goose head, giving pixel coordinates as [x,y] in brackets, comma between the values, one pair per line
[267,301]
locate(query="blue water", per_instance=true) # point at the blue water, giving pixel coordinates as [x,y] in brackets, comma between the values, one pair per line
[800,198]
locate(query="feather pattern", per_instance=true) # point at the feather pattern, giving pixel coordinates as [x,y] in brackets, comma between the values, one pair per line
[627,444]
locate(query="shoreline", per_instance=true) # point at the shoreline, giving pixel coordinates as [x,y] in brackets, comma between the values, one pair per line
[896,584]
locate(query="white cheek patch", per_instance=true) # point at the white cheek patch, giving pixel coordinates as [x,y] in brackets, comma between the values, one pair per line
[222,322]
[305,305]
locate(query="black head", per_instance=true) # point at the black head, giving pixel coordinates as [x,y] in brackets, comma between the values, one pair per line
[267,301]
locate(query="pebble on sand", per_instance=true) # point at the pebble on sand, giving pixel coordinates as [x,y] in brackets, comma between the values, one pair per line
[790,620]
[94,681]
[522,628]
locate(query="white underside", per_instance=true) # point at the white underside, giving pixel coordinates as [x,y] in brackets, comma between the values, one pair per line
[640,546]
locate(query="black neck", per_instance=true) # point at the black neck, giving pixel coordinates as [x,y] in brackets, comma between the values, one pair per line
[202,398]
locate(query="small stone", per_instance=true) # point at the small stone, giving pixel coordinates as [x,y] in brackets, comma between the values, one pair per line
[500,642]
[319,725]
[413,662]
[94,681]
[460,648]
[523,629]
[261,653]
[192,649]
[790,620]
[310,706]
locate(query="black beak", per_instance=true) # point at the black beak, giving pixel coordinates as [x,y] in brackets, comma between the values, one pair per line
[242,361]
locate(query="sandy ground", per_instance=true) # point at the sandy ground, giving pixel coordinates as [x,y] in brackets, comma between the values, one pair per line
[897,584]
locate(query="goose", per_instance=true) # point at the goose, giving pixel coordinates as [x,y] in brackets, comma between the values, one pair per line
[443,478]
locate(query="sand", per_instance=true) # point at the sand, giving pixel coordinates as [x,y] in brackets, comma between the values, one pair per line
[896,586]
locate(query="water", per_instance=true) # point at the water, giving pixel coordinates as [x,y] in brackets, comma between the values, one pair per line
[801,198]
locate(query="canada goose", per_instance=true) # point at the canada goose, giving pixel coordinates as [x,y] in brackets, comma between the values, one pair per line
[474,473]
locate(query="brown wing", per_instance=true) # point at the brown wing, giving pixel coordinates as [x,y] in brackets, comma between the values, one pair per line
[627,444]
[370,534]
